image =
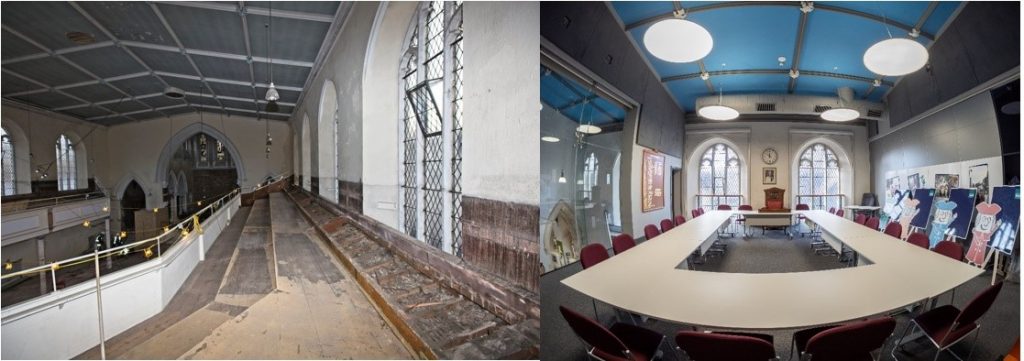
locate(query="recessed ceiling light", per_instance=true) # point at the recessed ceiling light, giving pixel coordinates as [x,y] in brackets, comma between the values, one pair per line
[588,129]
[80,38]
[718,112]
[173,92]
[1011,108]
[840,114]
[678,41]
[550,139]
[895,57]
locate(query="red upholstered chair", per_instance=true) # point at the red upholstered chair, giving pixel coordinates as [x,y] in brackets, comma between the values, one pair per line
[592,254]
[694,213]
[946,325]
[950,249]
[725,346]
[621,342]
[700,211]
[841,213]
[746,207]
[666,225]
[800,218]
[872,223]
[918,239]
[724,207]
[849,342]
[894,229]
[622,242]
[832,210]
[680,220]
[860,219]
[651,231]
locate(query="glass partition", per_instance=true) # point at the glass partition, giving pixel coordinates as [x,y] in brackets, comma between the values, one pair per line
[580,152]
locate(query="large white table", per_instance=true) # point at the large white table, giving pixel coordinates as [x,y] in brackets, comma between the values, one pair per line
[651,279]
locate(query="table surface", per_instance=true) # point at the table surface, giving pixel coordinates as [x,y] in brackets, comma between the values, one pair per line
[866,208]
[645,280]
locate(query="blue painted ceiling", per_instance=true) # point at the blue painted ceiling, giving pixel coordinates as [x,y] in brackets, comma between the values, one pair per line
[576,101]
[749,37]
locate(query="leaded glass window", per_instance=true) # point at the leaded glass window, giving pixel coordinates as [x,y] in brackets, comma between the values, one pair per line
[9,179]
[431,139]
[589,175]
[819,178]
[67,172]
[719,178]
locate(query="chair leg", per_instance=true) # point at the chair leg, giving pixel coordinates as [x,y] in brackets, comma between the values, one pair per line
[973,343]
[899,343]
[596,317]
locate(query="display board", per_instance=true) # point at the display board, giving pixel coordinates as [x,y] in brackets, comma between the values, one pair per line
[951,217]
[1008,219]
[924,197]
[653,181]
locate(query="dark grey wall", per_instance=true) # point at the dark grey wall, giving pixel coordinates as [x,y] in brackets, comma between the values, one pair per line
[982,42]
[589,33]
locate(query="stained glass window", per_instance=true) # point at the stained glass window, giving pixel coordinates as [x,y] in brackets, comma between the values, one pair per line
[9,179]
[819,178]
[719,177]
[67,172]
[431,139]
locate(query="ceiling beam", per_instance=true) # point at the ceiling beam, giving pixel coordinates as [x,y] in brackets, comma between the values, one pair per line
[707,82]
[284,14]
[926,14]
[158,74]
[798,48]
[577,102]
[175,106]
[109,101]
[214,54]
[735,4]
[774,71]
[174,36]
[73,49]
[227,81]
[248,48]
[578,94]
[152,95]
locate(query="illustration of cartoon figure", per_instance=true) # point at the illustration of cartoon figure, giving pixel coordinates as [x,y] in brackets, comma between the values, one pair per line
[984,225]
[944,216]
[909,211]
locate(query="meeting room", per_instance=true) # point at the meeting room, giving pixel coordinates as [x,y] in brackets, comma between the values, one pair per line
[780,180]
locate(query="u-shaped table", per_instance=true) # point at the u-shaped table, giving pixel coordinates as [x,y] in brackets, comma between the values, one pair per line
[652,279]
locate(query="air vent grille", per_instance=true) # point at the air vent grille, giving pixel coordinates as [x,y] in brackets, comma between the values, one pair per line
[766,107]
[874,113]
[821,108]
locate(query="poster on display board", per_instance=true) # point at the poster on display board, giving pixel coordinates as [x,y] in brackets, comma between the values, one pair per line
[653,181]
[952,216]
[944,183]
[924,197]
[977,178]
[1008,219]
[907,214]
[893,212]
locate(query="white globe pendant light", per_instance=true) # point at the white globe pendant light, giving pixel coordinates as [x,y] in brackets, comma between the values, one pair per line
[588,129]
[718,111]
[895,57]
[840,114]
[678,41]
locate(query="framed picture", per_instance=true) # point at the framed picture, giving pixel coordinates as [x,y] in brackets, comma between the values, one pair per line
[653,181]
[769,175]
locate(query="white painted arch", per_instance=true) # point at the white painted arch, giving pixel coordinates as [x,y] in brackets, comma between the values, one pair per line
[327,142]
[692,170]
[306,163]
[184,134]
[22,161]
[846,169]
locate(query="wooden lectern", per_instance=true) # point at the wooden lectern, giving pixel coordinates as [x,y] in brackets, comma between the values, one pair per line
[774,200]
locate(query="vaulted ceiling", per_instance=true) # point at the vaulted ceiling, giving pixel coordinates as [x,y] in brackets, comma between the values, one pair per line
[109,62]
[826,45]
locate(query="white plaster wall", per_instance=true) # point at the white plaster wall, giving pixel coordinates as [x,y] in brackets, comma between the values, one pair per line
[135,149]
[41,130]
[750,139]
[502,122]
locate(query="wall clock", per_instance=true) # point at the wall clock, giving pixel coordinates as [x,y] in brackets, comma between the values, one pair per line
[770,156]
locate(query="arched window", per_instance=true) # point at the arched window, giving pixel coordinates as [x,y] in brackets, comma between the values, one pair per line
[589,175]
[719,177]
[819,178]
[431,123]
[67,172]
[9,173]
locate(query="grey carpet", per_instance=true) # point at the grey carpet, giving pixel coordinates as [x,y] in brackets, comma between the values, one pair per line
[776,253]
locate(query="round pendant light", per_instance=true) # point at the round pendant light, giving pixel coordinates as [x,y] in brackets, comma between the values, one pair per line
[678,41]
[718,112]
[895,57]
[840,114]
[550,139]
[588,129]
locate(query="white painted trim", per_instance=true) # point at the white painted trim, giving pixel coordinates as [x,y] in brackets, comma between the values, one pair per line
[717,131]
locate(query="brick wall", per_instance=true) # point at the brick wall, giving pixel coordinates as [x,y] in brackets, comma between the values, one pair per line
[502,238]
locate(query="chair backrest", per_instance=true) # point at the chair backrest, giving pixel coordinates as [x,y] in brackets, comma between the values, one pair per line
[595,335]
[701,346]
[802,207]
[592,254]
[854,341]
[841,212]
[724,207]
[694,213]
[950,249]
[651,231]
[860,219]
[918,239]
[872,223]
[680,220]
[700,210]
[894,229]
[622,242]
[666,225]
[868,200]
[746,207]
[979,305]
[832,210]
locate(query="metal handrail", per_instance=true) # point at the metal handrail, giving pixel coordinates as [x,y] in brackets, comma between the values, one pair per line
[824,200]
[157,239]
[34,203]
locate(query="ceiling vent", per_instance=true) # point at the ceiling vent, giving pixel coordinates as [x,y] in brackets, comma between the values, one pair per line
[874,113]
[821,108]
[80,38]
[766,107]
[174,93]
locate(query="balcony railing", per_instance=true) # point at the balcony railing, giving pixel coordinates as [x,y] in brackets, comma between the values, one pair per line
[711,202]
[27,204]
[822,202]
